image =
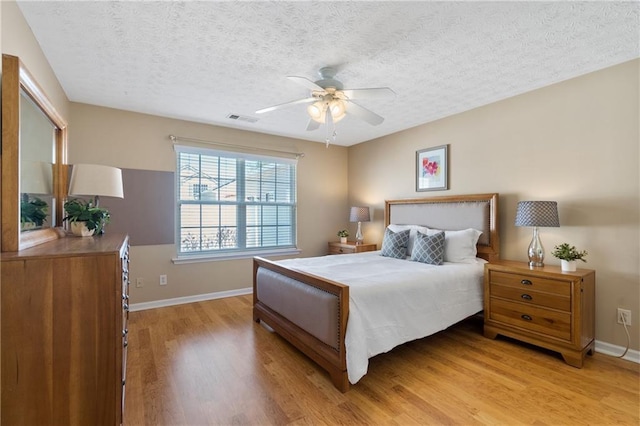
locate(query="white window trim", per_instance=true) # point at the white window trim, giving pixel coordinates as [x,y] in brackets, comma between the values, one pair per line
[197,257]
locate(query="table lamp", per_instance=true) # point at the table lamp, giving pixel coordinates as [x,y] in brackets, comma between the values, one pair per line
[537,214]
[359,214]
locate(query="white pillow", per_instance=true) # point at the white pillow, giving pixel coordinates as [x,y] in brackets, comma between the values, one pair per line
[460,246]
[413,230]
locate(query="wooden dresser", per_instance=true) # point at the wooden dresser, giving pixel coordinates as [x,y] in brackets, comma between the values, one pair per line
[542,306]
[64,332]
[350,247]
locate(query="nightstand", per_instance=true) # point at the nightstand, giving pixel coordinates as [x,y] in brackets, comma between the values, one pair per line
[350,247]
[542,306]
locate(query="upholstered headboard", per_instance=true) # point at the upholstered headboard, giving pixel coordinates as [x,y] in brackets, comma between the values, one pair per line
[452,212]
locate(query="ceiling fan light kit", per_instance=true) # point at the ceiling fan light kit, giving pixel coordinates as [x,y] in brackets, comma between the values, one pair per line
[317,111]
[330,102]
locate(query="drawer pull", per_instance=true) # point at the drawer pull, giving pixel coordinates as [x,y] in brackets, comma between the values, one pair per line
[526,317]
[526,296]
[341,251]
[526,282]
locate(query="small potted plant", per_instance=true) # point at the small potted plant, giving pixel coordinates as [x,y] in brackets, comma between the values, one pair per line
[85,219]
[568,256]
[33,212]
[343,234]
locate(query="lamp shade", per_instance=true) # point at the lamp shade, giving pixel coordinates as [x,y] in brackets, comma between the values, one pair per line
[359,214]
[537,213]
[93,179]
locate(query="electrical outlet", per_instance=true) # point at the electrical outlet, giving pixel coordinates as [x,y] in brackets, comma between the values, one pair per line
[139,282]
[163,280]
[626,314]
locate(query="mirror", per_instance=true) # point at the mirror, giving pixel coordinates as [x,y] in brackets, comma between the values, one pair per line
[33,160]
[37,157]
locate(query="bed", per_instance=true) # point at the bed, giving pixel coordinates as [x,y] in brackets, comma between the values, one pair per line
[341,310]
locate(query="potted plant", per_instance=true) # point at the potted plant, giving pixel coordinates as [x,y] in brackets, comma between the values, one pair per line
[33,212]
[85,219]
[568,256]
[343,234]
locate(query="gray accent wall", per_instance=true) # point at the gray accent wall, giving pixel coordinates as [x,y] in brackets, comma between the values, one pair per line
[147,212]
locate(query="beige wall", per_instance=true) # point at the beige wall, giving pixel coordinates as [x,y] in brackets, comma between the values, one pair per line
[18,40]
[576,142]
[139,141]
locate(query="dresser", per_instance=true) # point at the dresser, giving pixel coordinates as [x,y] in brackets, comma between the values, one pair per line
[64,332]
[350,247]
[542,306]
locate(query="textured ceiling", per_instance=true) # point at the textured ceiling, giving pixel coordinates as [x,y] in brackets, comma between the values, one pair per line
[202,61]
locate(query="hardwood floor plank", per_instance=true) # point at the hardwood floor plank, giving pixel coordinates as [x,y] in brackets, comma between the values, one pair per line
[208,363]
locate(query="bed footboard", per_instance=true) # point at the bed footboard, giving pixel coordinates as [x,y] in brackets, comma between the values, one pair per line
[308,311]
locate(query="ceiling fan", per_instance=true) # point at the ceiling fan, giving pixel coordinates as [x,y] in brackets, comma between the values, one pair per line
[330,102]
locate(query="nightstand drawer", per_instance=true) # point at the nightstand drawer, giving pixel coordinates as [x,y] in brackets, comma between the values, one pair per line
[531,282]
[530,297]
[350,247]
[545,321]
[341,249]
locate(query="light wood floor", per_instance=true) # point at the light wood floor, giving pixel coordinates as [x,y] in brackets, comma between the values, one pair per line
[209,363]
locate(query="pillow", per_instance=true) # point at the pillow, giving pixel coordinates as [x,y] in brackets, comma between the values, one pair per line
[429,248]
[460,246]
[394,244]
[413,230]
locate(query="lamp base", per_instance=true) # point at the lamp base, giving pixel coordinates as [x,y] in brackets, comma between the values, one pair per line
[536,250]
[359,236]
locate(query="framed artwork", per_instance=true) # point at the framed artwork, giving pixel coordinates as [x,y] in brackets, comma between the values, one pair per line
[432,169]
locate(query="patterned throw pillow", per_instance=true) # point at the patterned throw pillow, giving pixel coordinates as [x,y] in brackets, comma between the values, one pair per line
[429,248]
[394,244]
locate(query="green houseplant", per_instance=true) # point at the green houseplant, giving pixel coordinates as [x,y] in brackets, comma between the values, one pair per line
[568,256]
[95,218]
[33,212]
[343,234]
[566,252]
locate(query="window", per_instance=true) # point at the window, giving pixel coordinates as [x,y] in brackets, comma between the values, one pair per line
[229,203]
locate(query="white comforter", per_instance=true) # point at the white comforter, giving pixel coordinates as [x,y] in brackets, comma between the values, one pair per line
[393,301]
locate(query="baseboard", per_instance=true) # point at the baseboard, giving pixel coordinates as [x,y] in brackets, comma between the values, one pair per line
[188,299]
[615,350]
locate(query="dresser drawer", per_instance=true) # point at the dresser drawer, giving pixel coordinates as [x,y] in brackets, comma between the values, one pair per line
[530,282]
[534,318]
[531,297]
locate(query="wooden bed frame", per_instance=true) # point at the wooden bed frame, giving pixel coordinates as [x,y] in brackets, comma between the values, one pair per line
[333,359]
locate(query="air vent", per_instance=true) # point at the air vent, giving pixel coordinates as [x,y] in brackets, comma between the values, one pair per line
[242,118]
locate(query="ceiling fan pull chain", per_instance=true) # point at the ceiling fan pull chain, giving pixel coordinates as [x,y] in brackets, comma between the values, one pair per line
[328,121]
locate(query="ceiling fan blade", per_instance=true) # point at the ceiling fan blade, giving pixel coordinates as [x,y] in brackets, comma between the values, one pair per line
[305,82]
[374,93]
[364,114]
[313,125]
[286,105]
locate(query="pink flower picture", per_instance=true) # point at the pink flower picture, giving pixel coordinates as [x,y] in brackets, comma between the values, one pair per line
[431,169]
